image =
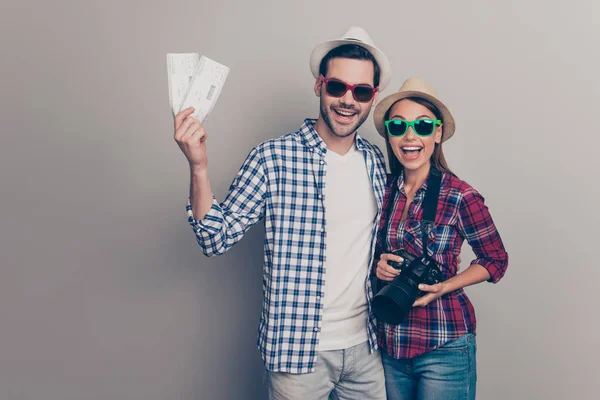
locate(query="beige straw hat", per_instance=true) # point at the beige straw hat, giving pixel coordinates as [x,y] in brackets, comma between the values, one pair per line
[414,87]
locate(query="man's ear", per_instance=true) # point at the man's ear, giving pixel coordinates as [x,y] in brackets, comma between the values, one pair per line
[318,86]
[375,98]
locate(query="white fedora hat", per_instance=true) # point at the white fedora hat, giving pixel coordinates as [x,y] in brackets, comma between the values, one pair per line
[357,36]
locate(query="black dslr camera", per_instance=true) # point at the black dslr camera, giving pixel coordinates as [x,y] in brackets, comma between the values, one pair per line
[394,300]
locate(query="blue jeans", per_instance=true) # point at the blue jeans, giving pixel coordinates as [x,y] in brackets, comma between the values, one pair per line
[446,373]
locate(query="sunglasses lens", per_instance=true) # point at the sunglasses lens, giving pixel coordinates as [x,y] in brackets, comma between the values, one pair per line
[424,127]
[363,93]
[396,128]
[336,88]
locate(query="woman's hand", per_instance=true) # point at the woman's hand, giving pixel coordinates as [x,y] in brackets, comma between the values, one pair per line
[475,273]
[434,291]
[385,271]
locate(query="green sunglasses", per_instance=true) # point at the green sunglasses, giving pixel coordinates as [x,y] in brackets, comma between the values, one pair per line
[421,127]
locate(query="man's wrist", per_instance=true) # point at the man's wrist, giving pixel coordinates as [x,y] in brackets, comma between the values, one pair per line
[199,171]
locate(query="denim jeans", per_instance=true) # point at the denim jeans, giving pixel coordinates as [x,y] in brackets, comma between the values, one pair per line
[353,373]
[446,373]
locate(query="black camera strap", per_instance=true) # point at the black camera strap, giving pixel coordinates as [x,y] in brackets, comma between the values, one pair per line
[430,202]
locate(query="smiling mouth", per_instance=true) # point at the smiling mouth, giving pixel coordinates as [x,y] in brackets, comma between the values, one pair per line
[345,113]
[411,149]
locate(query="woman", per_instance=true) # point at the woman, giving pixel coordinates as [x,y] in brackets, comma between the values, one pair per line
[431,353]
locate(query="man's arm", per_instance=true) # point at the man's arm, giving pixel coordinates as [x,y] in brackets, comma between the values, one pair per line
[201,196]
[191,138]
[219,226]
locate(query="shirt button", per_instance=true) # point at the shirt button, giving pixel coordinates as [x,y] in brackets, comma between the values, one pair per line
[321,162]
[318,298]
[316,329]
[322,229]
[320,196]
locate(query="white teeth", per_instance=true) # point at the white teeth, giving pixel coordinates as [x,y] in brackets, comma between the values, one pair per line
[345,113]
[411,148]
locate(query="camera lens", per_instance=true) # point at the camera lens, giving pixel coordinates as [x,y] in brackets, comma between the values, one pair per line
[395,300]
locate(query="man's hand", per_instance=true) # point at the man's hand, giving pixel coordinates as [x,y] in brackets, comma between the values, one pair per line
[191,138]
[384,271]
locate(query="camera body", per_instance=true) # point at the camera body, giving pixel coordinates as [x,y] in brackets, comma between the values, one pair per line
[418,270]
[394,300]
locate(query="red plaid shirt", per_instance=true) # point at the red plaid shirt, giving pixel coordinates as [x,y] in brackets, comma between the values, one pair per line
[461,214]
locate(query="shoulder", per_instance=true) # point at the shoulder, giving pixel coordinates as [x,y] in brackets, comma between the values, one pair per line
[459,188]
[273,153]
[374,150]
[370,146]
[276,145]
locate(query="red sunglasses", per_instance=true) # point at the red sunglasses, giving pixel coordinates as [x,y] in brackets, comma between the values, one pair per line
[361,93]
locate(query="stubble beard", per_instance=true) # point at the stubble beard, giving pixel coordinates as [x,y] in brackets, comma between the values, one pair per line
[326,114]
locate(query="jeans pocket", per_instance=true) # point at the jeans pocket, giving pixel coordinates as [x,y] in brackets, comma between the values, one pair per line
[461,344]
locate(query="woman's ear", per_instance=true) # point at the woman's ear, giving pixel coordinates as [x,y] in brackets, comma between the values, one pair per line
[438,134]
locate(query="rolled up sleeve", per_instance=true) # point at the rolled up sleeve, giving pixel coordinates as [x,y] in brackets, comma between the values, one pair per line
[478,228]
[226,223]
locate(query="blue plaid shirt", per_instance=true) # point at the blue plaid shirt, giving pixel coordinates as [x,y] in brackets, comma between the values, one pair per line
[282,180]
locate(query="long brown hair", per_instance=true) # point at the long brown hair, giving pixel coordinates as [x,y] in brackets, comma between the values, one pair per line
[437,158]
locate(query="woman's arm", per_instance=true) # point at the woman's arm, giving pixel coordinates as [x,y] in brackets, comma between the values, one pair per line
[477,227]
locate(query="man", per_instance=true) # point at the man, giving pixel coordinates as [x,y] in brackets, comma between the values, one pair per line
[320,191]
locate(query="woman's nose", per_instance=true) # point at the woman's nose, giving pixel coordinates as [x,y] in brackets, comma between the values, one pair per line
[410,133]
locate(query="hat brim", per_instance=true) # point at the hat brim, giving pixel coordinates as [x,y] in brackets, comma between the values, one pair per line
[448,124]
[321,51]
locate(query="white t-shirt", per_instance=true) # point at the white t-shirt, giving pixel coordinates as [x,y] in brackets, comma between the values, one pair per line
[350,211]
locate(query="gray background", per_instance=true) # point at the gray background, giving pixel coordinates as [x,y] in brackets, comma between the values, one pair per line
[104,293]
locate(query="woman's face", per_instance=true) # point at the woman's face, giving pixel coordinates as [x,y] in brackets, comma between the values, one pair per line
[414,152]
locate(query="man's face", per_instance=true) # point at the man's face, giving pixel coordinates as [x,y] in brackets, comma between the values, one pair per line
[344,115]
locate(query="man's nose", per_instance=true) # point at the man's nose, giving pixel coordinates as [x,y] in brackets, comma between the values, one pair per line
[347,98]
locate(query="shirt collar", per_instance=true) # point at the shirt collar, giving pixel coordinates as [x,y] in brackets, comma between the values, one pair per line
[309,136]
[400,183]
[311,139]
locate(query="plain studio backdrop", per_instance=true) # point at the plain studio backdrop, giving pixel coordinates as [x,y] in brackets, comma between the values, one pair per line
[104,293]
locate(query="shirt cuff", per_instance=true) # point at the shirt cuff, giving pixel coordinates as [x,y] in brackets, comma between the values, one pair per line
[213,220]
[494,269]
